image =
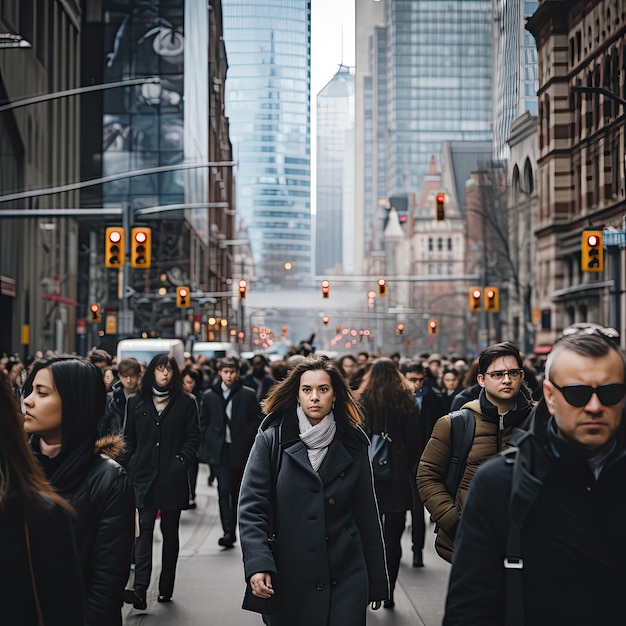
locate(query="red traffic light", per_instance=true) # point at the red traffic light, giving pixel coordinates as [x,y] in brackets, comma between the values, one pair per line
[593,240]
[382,287]
[325,320]
[325,288]
[243,287]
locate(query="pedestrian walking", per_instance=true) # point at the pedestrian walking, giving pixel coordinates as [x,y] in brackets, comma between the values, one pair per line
[64,398]
[162,436]
[541,539]
[389,407]
[229,420]
[129,372]
[308,484]
[502,406]
[40,578]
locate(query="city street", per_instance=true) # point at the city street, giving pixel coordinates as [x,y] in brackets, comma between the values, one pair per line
[209,583]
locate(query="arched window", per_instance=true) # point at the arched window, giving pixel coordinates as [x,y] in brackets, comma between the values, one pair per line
[430,244]
[515,184]
[529,183]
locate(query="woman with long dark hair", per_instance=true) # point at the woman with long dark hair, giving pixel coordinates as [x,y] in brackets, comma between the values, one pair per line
[162,436]
[308,482]
[64,398]
[40,580]
[390,408]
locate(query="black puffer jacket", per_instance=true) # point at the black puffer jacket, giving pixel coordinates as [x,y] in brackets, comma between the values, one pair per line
[100,491]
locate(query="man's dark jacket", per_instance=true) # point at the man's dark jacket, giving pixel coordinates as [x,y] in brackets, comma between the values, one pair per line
[244,423]
[112,421]
[267,382]
[573,540]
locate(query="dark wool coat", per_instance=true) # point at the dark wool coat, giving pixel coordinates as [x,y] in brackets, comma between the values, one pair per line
[573,541]
[244,423]
[160,449]
[104,529]
[113,419]
[328,560]
[56,567]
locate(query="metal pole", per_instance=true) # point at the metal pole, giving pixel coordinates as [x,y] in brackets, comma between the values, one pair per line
[614,310]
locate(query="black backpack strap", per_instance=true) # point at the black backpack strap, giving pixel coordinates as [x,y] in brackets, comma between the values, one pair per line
[462,428]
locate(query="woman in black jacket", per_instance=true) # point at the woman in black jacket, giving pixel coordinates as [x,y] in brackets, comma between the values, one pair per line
[40,567]
[64,398]
[162,436]
[309,472]
[390,408]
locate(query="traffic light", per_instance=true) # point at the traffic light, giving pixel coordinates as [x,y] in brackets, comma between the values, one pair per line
[474,299]
[325,320]
[492,299]
[325,288]
[95,314]
[114,247]
[382,287]
[433,327]
[399,328]
[592,251]
[183,301]
[141,247]
[243,288]
[440,209]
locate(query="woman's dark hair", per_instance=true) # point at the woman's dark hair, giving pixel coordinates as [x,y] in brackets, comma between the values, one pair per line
[193,372]
[284,395]
[82,392]
[471,376]
[385,390]
[20,474]
[148,382]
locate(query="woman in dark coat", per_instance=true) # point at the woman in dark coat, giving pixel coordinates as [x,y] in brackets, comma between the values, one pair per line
[309,471]
[162,436]
[64,398]
[30,507]
[389,407]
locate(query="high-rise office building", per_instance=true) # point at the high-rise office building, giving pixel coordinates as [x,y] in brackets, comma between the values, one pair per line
[514,69]
[438,82]
[268,105]
[335,170]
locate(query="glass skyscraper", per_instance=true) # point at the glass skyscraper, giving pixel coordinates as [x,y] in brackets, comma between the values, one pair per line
[516,80]
[268,104]
[438,82]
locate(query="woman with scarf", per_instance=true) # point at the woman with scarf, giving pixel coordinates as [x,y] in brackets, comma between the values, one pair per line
[308,483]
[390,408]
[64,397]
[162,437]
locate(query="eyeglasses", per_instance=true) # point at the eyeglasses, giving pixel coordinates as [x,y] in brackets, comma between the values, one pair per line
[579,395]
[416,380]
[500,374]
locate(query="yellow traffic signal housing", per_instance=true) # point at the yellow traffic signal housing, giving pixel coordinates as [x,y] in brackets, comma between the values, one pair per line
[399,328]
[243,288]
[114,247]
[141,247]
[475,296]
[440,210]
[325,288]
[433,327]
[592,251]
[492,299]
[382,287]
[95,313]
[183,299]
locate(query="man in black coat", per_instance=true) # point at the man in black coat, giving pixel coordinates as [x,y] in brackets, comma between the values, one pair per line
[570,557]
[258,379]
[229,420]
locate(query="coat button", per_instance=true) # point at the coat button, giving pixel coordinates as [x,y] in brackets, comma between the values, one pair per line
[331,501]
[333,582]
[342,474]
[320,586]
[157,444]
[158,424]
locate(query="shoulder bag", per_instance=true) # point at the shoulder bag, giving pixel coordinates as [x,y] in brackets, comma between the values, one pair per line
[380,454]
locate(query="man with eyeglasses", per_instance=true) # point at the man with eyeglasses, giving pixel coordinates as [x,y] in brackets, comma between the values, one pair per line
[560,558]
[501,407]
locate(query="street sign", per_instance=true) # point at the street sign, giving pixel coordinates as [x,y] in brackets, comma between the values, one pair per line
[614,238]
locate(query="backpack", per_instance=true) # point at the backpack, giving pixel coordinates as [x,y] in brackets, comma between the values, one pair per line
[462,428]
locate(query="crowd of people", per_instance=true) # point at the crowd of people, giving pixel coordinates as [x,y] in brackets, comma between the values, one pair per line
[108,448]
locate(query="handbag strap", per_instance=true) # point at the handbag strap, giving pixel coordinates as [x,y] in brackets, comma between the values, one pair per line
[32,575]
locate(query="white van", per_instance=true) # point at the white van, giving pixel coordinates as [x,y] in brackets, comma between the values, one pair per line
[144,350]
[213,349]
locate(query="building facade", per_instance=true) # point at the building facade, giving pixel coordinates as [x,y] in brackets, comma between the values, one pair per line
[514,69]
[268,105]
[335,173]
[580,44]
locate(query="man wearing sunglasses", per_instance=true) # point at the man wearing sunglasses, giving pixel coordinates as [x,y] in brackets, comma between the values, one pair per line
[559,558]
[501,407]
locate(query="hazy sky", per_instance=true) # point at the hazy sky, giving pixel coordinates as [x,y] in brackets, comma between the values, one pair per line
[329,18]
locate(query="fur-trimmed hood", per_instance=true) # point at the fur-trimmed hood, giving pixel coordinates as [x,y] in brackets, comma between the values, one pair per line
[112,446]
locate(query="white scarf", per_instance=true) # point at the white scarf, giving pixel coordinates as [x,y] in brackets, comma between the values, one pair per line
[316,438]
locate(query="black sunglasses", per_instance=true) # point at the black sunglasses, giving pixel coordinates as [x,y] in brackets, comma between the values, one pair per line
[579,395]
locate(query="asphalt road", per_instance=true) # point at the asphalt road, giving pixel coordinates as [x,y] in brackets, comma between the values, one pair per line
[209,581]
